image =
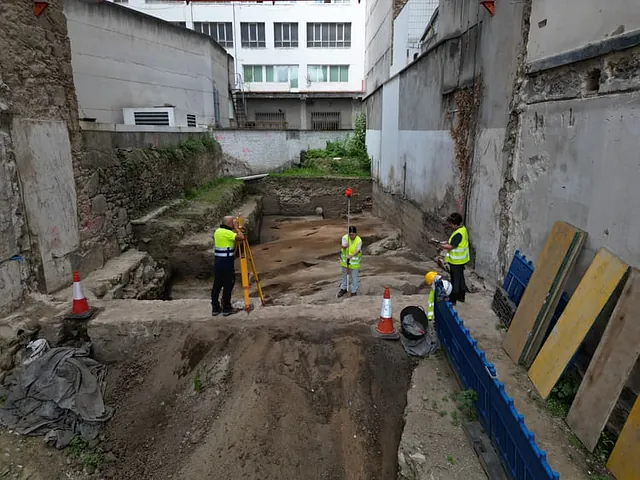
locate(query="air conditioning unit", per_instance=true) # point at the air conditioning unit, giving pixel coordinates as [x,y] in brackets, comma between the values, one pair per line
[159,116]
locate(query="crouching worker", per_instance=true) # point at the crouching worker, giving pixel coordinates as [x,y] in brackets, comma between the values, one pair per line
[224,239]
[350,257]
[440,291]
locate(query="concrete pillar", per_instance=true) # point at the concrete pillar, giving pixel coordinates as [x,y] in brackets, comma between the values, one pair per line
[304,124]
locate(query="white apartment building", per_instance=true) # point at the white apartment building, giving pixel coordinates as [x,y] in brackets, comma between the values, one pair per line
[298,65]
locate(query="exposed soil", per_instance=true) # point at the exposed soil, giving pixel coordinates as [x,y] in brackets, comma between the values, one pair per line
[224,403]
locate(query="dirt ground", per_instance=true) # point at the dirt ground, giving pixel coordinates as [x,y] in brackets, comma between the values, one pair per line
[296,390]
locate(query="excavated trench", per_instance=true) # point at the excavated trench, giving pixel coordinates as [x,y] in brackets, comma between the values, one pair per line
[282,402]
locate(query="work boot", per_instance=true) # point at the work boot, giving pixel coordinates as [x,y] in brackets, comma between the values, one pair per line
[353,294]
[215,311]
[342,293]
[230,311]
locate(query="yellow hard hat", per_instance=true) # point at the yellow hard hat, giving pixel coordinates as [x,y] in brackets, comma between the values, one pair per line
[430,277]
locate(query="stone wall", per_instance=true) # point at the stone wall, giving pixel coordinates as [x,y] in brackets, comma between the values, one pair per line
[133,171]
[40,151]
[297,196]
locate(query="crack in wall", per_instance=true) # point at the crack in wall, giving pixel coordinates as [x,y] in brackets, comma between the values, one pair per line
[516,107]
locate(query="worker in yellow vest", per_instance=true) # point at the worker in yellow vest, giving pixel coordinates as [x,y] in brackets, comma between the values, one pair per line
[224,239]
[457,256]
[440,289]
[350,257]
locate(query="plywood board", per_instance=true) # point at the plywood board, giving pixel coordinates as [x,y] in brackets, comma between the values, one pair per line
[543,321]
[549,262]
[624,461]
[596,287]
[610,367]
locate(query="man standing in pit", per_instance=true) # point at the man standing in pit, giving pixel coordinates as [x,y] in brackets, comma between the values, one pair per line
[350,257]
[224,239]
[457,256]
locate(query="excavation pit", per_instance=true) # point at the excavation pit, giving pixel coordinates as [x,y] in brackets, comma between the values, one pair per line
[213,401]
[298,257]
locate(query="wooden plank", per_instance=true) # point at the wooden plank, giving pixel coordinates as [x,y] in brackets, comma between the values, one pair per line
[543,320]
[484,450]
[596,287]
[624,461]
[610,367]
[548,264]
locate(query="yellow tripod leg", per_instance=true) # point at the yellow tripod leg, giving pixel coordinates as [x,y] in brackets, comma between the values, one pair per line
[255,274]
[244,274]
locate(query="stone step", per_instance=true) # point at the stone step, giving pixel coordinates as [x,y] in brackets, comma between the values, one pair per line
[193,255]
[133,274]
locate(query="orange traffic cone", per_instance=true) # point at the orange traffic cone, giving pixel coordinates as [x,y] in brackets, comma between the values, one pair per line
[81,309]
[385,327]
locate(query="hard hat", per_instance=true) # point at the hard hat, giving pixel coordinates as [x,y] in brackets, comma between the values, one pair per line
[430,277]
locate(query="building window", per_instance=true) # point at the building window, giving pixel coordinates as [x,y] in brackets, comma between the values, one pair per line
[253,73]
[179,24]
[285,35]
[325,120]
[328,35]
[222,32]
[328,73]
[252,35]
[282,74]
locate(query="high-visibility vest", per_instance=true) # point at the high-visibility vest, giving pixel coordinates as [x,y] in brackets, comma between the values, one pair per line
[354,263]
[224,247]
[432,304]
[460,254]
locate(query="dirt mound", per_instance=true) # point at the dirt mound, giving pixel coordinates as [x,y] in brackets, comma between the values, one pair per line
[311,402]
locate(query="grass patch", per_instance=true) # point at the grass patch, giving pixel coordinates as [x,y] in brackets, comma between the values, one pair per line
[198,385]
[79,448]
[213,191]
[466,403]
[346,158]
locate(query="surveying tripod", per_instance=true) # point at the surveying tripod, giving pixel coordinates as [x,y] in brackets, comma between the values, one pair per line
[246,258]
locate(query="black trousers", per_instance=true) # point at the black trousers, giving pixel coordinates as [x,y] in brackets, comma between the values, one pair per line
[458,284]
[224,279]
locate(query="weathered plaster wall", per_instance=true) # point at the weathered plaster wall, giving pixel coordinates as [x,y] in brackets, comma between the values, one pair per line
[378,43]
[124,58]
[39,152]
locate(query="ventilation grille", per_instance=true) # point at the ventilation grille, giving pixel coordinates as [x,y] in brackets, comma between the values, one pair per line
[191,120]
[152,118]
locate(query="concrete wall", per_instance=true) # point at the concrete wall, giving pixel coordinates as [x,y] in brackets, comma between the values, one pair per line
[432,147]
[559,26]
[378,43]
[298,112]
[123,58]
[260,151]
[40,147]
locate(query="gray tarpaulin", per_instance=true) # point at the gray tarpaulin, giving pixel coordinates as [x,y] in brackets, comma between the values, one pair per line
[60,394]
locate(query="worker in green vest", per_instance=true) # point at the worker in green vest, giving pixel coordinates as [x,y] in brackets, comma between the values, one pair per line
[457,256]
[224,239]
[350,257]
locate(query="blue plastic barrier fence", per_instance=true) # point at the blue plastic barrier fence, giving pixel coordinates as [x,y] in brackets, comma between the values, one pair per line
[517,277]
[515,444]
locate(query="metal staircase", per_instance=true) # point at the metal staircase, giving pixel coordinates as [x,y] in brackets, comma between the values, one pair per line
[239,102]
